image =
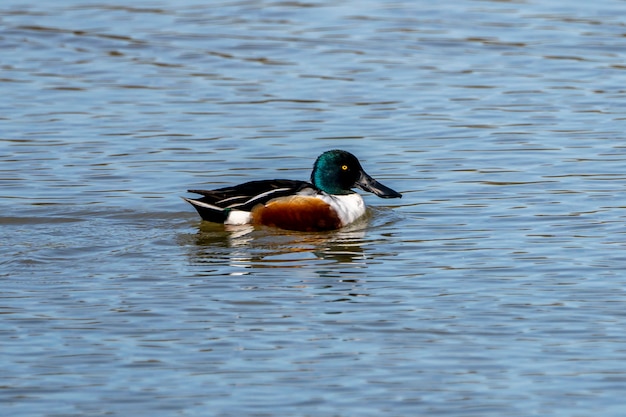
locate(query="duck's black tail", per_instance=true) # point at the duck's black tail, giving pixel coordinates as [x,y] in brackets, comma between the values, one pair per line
[207,211]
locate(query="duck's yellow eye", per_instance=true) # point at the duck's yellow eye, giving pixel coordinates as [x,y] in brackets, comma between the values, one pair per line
[344,167]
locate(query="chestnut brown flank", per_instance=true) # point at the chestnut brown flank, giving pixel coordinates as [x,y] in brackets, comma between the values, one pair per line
[296,213]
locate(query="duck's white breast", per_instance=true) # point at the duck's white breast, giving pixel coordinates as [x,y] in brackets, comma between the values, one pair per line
[349,207]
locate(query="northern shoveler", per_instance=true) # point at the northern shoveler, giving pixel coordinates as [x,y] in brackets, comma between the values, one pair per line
[326,203]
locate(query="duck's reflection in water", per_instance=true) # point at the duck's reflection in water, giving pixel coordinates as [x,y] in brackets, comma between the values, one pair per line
[250,247]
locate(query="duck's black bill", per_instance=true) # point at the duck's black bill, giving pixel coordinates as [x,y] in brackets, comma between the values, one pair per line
[367,183]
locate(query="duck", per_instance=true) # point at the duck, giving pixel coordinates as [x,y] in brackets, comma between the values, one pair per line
[327,202]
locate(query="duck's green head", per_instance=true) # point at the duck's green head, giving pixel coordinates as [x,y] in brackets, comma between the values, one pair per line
[337,172]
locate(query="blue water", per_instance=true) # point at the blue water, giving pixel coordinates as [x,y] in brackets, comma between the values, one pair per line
[494,287]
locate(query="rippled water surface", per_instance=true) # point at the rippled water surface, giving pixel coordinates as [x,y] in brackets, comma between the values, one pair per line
[494,287]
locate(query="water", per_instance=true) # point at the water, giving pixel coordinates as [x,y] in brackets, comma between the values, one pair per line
[494,287]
